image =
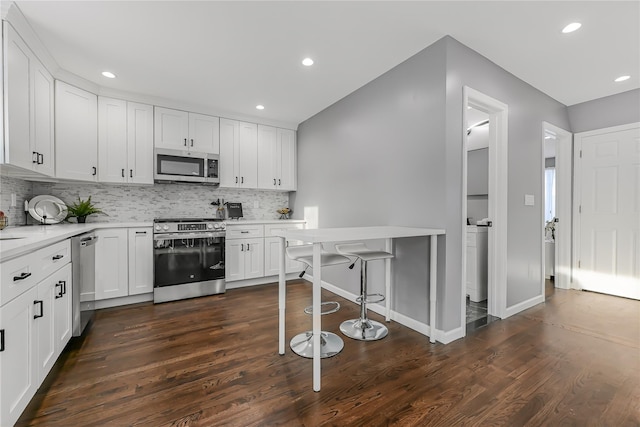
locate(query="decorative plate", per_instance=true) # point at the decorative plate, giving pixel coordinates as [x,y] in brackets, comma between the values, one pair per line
[47,209]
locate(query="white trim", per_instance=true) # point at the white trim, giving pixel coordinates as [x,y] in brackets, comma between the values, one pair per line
[564,193]
[444,337]
[498,178]
[245,283]
[116,302]
[515,309]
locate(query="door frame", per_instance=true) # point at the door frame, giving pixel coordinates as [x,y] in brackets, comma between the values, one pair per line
[564,174]
[498,186]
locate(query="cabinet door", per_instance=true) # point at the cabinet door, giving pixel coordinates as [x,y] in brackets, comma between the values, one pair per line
[76,130]
[248,155]
[140,143]
[229,153]
[171,129]
[112,140]
[204,133]
[234,260]
[42,118]
[17,97]
[112,272]
[253,258]
[44,327]
[17,357]
[62,307]
[286,158]
[267,158]
[140,260]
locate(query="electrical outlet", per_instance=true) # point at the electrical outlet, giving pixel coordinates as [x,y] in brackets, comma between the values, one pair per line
[529,200]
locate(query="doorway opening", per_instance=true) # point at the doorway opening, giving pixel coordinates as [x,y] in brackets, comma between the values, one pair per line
[484,202]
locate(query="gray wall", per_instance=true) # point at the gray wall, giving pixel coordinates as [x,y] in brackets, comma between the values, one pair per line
[613,110]
[377,157]
[528,108]
[391,153]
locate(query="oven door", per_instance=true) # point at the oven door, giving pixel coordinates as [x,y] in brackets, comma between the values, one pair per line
[188,265]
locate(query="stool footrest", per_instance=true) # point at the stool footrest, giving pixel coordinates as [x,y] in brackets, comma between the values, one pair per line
[371,298]
[309,309]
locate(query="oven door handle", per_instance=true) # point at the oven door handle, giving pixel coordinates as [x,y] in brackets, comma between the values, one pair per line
[188,236]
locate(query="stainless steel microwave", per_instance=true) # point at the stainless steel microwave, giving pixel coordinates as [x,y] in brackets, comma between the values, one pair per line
[186,166]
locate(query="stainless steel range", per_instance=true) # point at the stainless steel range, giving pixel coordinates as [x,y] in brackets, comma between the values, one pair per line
[188,258]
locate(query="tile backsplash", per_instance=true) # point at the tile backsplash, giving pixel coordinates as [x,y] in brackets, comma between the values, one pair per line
[125,203]
[22,190]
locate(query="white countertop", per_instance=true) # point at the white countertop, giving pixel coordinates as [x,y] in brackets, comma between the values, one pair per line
[35,237]
[344,234]
[263,221]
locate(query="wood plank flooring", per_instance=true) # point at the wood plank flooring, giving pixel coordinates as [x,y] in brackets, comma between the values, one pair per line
[574,360]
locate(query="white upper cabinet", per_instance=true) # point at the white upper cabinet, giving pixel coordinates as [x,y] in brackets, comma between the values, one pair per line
[238,154]
[180,130]
[276,158]
[125,141]
[204,133]
[28,112]
[76,130]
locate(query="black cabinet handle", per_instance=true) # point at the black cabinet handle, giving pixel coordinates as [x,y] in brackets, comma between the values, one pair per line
[40,158]
[39,302]
[57,257]
[242,180]
[192,142]
[185,142]
[1,339]
[236,179]
[22,276]
[241,247]
[64,287]
[247,247]
[279,182]
[130,173]
[274,181]
[59,293]
[141,232]
[123,173]
[95,170]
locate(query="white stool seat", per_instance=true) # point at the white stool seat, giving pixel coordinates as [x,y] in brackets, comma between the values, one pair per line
[304,254]
[361,251]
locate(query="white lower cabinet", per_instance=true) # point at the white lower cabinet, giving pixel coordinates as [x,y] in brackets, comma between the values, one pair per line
[124,262]
[244,252]
[272,250]
[35,327]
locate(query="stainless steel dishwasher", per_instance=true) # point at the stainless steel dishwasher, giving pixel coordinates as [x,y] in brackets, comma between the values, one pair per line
[83,261]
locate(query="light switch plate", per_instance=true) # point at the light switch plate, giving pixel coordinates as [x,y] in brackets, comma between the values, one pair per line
[529,200]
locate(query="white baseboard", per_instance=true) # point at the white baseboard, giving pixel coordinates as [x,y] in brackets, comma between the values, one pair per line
[445,337]
[115,302]
[515,309]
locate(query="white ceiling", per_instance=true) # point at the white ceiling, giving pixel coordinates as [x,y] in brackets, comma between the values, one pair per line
[232,56]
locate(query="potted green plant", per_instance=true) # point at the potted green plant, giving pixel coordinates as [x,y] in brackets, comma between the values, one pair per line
[81,209]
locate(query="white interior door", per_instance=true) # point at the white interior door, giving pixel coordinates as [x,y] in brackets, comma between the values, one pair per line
[608,211]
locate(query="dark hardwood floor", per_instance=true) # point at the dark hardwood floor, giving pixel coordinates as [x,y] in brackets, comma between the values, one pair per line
[574,360]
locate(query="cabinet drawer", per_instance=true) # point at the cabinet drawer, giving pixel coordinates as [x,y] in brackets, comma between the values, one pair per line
[270,228]
[52,258]
[244,231]
[20,274]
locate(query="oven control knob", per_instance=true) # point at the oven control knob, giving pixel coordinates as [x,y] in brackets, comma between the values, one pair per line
[216,226]
[165,227]
[209,225]
[158,228]
[223,226]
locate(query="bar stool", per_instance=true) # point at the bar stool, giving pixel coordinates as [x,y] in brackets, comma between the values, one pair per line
[363,329]
[330,343]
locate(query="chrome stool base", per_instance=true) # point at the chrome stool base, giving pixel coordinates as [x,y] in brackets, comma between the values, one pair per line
[330,344]
[367,330]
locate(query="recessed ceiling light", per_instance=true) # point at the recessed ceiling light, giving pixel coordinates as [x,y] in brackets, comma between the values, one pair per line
[622,78]
[571,27]
[307,62]
[109,74]
[260,107]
